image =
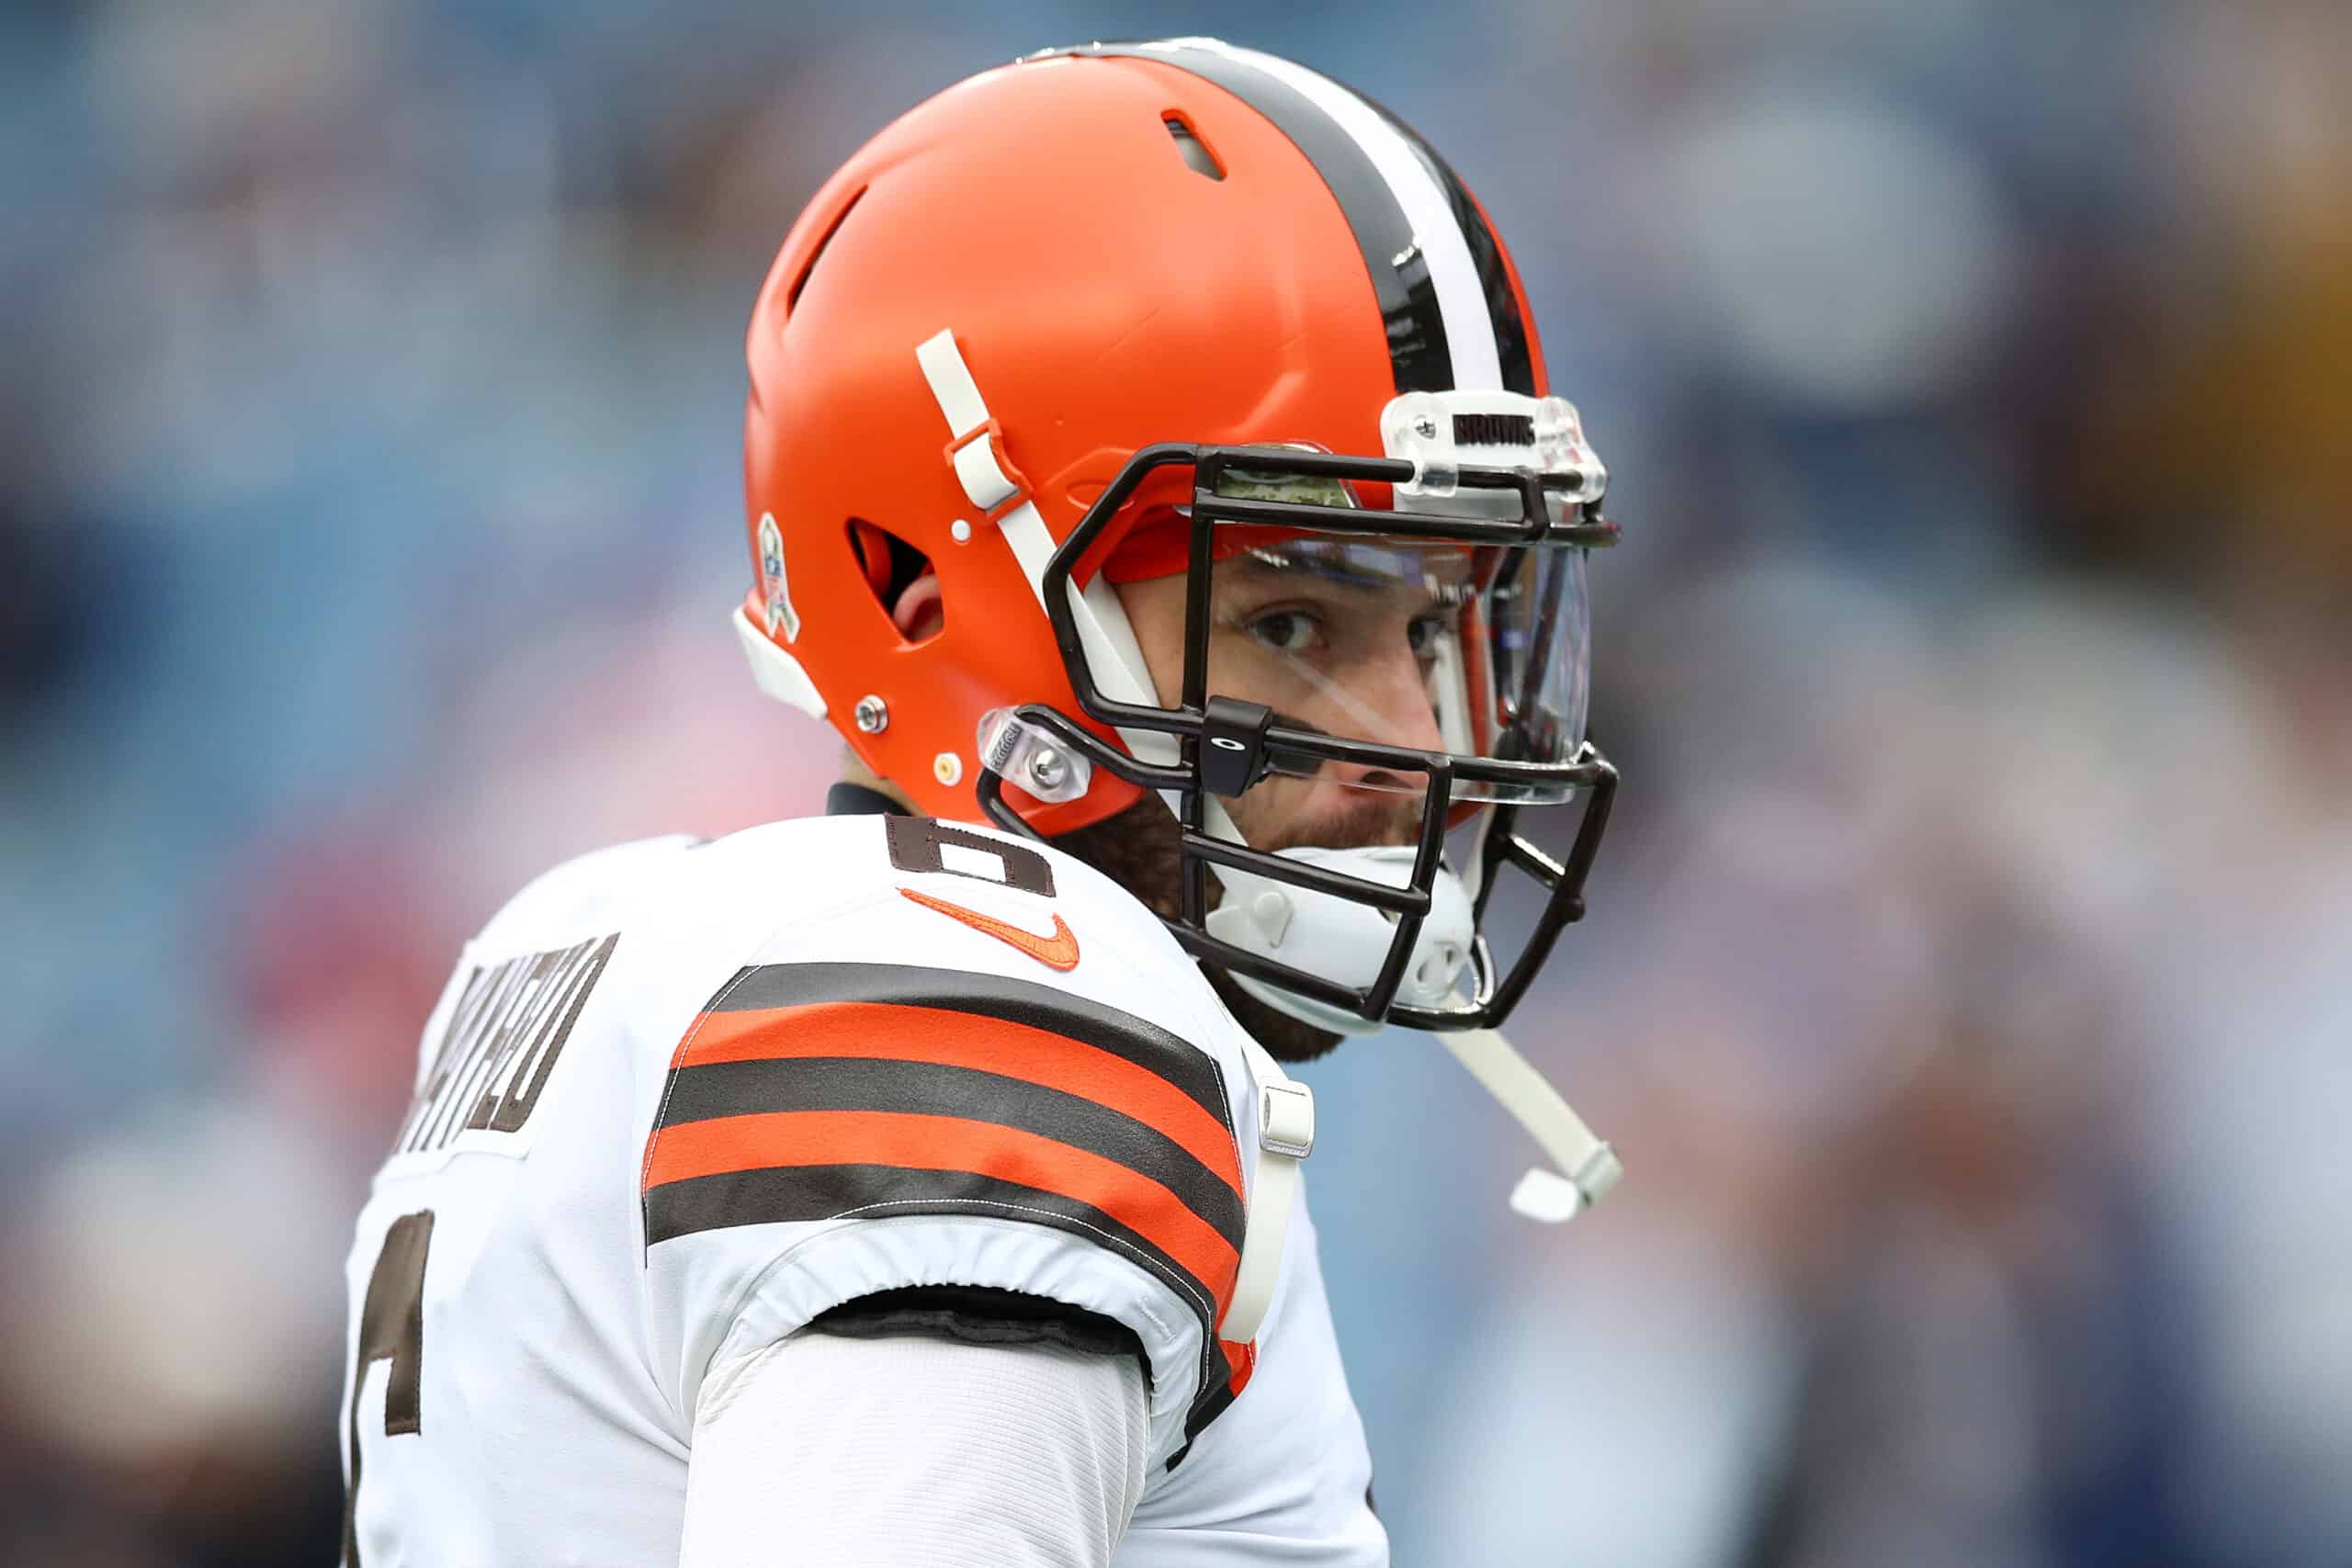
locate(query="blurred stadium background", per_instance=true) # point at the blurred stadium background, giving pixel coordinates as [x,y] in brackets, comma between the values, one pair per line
[1970,984]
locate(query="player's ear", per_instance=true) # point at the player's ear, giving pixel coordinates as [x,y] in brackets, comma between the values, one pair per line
[920,614]
[904,581]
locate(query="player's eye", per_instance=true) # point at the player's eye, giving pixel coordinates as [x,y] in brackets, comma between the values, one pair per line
[1287,630]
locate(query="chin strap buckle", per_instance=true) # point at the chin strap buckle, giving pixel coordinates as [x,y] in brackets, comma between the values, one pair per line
[976,445]
[1285,1136]
[1286,1118]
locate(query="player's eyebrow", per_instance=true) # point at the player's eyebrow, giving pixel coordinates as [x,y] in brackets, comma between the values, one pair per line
[1264,569]
[1322,568]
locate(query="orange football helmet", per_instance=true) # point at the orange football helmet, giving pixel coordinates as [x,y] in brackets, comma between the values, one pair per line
[1139,309]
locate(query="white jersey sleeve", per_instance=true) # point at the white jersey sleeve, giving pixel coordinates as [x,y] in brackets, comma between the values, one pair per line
[943,1056]
[924,1450]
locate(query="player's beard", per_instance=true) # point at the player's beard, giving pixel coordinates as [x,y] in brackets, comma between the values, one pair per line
[1137,849]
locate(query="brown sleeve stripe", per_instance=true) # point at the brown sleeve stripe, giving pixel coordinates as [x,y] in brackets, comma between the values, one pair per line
[828,1191]
[919,1149]
[1048,1007]
[887,1031]
[730,1091]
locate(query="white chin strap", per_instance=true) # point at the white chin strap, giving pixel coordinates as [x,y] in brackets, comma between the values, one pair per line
[1346,941]
[1285,1135]
[1587,1167]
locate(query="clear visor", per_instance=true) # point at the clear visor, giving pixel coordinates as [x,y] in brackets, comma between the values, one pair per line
[1482,652]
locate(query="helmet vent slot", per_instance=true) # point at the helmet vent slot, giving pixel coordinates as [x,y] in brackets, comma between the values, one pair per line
[1196,154]
[792,295]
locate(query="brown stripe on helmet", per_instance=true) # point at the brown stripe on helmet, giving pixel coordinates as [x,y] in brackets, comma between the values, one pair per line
[1419,354]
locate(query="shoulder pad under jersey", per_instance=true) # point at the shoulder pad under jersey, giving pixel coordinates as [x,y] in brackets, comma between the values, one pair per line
[944,1055]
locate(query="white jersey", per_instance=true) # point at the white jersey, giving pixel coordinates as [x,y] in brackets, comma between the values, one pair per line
[680,1097]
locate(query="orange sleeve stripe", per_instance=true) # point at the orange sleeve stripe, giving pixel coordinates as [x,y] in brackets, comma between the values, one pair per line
[889,1031]
[1241,1361]
[785,1138]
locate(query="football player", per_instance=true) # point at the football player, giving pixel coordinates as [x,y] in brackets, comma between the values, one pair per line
[1152,475]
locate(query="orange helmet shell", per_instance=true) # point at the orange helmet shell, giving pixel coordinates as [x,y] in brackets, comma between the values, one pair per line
[1106,294]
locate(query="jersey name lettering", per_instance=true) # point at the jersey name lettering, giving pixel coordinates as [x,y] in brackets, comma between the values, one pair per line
[501,1043]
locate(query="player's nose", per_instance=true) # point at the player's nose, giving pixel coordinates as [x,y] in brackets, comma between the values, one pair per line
[1395,691]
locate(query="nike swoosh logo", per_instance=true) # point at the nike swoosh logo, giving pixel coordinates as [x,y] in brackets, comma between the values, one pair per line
[1058,951]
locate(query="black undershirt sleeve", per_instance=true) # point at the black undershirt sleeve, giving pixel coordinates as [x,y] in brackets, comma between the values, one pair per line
[979,1314]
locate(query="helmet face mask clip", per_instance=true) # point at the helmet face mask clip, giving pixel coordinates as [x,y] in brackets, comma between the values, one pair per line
[1225,744]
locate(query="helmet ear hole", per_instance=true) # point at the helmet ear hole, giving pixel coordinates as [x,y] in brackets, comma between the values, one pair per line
[905,588]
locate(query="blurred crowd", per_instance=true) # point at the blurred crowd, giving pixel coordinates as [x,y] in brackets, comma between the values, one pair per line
[1969,982]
